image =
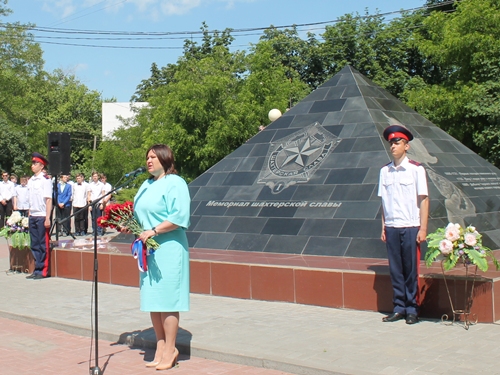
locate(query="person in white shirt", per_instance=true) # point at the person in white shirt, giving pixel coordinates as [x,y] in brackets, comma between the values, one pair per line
[40,208]
[405,204]
[105,190]
[95,192]
[21,200]
[7,193]
[80,193]
[13,179]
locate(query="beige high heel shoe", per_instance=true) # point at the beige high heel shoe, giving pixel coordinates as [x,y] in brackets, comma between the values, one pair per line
[152,364]
[169,365]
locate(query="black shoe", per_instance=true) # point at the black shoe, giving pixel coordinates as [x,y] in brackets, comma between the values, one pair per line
[393,317]
[32,276]
[38,276]
[411,319]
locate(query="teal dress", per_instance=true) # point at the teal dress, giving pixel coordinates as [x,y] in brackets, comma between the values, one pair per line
[165,285]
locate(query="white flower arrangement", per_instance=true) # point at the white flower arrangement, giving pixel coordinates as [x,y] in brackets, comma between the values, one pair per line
[456,244]
[16,229]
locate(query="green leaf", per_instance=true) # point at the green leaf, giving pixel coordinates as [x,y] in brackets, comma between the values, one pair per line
[450,262]
[478,259]
[430,256]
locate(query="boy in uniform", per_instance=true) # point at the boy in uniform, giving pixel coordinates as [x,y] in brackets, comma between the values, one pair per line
[405,203]
[40,208]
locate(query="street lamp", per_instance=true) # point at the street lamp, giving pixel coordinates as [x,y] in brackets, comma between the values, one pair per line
[274,114]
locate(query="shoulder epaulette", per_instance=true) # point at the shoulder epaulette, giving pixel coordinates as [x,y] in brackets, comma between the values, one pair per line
[387,164]
[414,162]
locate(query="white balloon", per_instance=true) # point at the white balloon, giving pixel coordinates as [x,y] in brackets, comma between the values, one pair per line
[274,114]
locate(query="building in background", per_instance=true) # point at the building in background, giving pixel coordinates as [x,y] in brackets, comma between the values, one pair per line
[113,115]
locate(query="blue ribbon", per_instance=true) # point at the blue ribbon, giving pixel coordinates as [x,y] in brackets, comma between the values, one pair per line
[140,252]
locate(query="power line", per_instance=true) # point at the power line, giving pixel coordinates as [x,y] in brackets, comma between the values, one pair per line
[178,35]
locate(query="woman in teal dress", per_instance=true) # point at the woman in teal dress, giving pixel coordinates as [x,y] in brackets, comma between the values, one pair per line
[162,207]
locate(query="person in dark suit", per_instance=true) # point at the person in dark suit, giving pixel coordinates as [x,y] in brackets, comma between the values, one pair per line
[64,194]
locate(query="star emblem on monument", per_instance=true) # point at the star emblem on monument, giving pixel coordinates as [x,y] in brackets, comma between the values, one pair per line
[300,153]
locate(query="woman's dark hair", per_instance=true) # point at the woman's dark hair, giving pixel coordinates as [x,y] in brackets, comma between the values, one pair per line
[165,156]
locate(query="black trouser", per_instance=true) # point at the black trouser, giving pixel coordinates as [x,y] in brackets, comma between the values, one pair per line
[96,212]
[5,211]
[40,245]
[63,213]
[80,216]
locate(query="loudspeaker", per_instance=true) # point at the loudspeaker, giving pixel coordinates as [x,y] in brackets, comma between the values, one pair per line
[59,153]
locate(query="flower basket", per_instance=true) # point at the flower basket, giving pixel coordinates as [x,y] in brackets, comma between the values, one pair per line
[16,230]
[21,260]
[459,246]
[17,234]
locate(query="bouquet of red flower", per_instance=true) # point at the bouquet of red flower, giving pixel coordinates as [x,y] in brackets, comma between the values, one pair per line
[122,216]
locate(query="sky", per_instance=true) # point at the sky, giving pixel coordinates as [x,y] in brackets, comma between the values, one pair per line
[97,41]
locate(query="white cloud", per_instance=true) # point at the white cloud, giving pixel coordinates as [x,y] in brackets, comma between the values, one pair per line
[154,8]
[62,8]
[80,67]
[178,7]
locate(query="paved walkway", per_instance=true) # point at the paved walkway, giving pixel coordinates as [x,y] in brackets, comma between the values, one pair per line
[291,338]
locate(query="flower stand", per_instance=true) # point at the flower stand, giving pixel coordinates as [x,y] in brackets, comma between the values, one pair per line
[464,315]
[21,260]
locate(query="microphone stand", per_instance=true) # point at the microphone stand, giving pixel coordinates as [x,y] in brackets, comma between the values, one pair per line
[96,370]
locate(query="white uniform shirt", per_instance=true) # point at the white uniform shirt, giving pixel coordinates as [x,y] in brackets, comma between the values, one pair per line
[7,190]
[39,188]
[95,189]
[23,199]
[106,188]
[80,194]
[399,188]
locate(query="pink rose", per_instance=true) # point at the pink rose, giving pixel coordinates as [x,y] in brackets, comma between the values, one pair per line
[470,239]
[446,247]
[452,233]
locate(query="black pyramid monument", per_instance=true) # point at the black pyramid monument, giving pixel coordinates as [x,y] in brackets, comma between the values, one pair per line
[308,183]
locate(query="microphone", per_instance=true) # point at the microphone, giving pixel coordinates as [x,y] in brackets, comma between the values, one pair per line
[136,172]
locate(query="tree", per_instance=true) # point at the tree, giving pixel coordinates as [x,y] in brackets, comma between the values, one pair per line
[159,77]
[14,149]
[466,46]
[62,104]
[274,80]
[300,58]
[123,153]
[199,114]
[384,52]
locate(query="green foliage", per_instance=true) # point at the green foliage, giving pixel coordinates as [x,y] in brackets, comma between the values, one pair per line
[456,244]
[465,45]
[444,64]
[34,102]
[14,146]
[126,195]
[125,152]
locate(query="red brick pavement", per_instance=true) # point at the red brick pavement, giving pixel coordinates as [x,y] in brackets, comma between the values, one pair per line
[30,349]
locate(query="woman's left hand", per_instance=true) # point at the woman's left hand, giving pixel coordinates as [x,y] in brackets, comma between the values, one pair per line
[147,234]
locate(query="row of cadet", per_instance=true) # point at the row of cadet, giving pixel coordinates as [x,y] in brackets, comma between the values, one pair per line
[70,195]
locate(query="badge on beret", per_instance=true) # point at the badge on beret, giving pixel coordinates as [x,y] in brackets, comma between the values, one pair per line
[397,131]
[39,158]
